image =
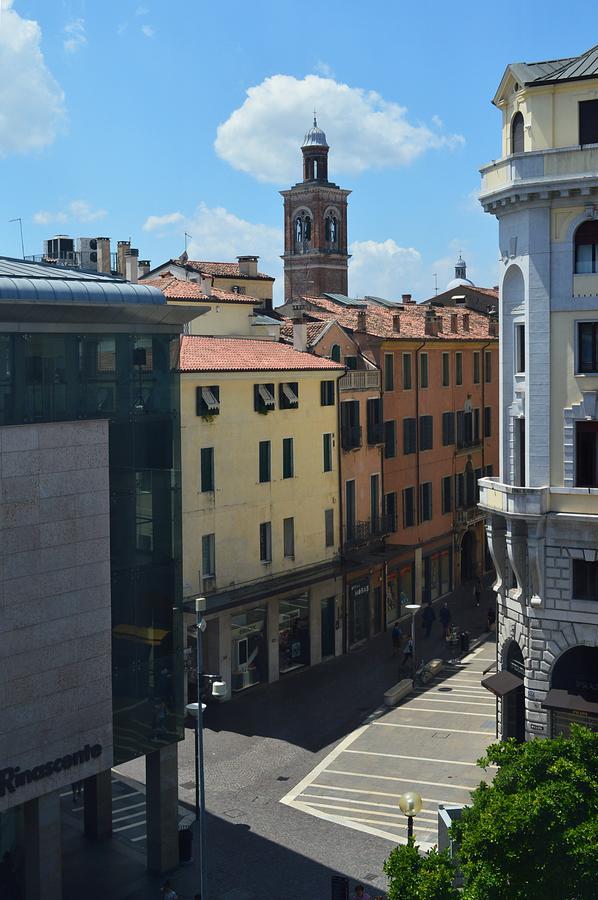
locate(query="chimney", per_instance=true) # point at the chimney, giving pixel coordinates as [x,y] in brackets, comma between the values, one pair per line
[299,327]
[104,254]
[430,322]
[465,321]
[121,253]
[144,267]
[454,326]
[492,322]
[360,320]
[248,265]
[406,298]
[207,283]
[439,324]
[396,322]
[131,265]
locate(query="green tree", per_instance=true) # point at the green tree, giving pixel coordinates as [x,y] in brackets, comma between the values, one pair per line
[533,832]
[412,876]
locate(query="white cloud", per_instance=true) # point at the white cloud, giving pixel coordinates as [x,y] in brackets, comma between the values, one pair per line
[141,11]
[322,68]
[75,35]
[76,211]
[31,100]
[153,223]
[148,31]
[365,131]
[120,29]
[384,269]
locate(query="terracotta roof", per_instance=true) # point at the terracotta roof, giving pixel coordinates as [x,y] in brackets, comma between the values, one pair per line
[178,289]
[209,354]
[379,320]
[222,269]
[314,331]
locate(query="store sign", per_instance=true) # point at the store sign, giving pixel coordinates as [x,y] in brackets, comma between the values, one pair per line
[360,588]
[12,778]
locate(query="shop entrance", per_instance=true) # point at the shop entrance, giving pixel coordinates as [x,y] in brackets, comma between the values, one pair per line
[293,634]
[468,557]
[327,626]
[573,695]
[249,648]
[514,701]
[359,611]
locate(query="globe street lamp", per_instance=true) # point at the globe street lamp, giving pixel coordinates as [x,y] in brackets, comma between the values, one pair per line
[413,608]
[410,803]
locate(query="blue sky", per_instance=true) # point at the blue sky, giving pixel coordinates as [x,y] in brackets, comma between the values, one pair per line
[133,119]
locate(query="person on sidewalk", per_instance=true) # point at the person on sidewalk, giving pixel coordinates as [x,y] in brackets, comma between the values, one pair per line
[168,892]
[445,619]
[408,654]
[397,638]
[428,618]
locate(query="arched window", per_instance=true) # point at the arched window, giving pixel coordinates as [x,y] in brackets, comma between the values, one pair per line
[586,248]
[331,229]
[307,229]
[517,133]
[335,353]
[298,230]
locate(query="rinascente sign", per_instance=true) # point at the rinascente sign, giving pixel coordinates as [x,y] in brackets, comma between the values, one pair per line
[12,778]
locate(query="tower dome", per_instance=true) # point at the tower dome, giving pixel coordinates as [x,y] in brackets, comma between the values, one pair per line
[315,137]
[460,275]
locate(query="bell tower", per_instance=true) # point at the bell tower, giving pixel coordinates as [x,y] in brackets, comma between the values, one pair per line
[315,226]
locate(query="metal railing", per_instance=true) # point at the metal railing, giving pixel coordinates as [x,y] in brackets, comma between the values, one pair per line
[362,533]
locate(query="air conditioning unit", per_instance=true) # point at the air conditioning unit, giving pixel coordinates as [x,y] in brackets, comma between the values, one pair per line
[87,253]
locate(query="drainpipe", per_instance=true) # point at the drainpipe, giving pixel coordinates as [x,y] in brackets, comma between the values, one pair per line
[417,498]
[343,613]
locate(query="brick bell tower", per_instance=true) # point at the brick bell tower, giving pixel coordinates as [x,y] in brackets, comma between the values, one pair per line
[315,226]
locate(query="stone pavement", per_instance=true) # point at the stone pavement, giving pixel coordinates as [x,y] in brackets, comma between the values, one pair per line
[258,747]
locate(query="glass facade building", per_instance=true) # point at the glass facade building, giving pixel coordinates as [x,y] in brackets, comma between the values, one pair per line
[132,381]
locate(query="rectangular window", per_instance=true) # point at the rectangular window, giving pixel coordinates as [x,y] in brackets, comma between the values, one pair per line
[350,427]
[588,121]
[487,421]
[375,427]
[447,494]
[409,436]
[448,428]
[288,395]
[288,532]
[423,370]
[488,366]
[208,556]
[426,432]
[426,501]
[408,507]
[476,426]
[389,371]
[329,527]
[446,376]
[288,460]
[264,461]
[390,511]
[585,580]
[374,502]
[265,542]
[519,349]
[586,446]
[327,448]
[406,371]
[263,398]
[587,347]
[476,367]
[207,469]
[390,439]
[207,401]
[327,393]
[458,368]
[459,491]
[351,362]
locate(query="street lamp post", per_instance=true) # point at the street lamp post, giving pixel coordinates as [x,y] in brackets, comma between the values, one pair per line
[413,608]
[410,803]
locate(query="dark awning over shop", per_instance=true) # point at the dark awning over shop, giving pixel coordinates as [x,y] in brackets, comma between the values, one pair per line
[557,699]
[502,683]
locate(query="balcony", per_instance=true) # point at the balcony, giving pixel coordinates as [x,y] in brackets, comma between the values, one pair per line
[537,171]
[360,381]
[505,499]
[363,533]
[350,437]
[471,516]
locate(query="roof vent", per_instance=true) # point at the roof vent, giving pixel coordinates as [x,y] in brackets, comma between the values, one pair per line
[396,323]
[465,321]
[430,322]
[454,325]
[361,320]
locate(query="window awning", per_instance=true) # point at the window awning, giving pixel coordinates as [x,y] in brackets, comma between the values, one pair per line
[266,396]
[502,683]
[209,399]
[290,394]
[559,699]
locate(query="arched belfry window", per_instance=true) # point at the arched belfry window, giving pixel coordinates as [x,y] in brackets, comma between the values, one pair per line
[331,230]
[298,230]
[335,353]
[586,248]
[517,133]
[302,231]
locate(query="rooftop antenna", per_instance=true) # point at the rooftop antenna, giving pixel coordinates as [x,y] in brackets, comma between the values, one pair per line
[315,118]
[186,236]
[436,283]
[20,221]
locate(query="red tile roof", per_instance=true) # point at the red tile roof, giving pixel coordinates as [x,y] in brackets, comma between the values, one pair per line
[212,354]
[222,269]
[379,320]
[178,289]
[314,331]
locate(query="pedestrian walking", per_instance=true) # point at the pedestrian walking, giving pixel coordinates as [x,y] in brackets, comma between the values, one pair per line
[428,618]
[408,654]
[397,638]
[445,620]
[477,591]
[168,892]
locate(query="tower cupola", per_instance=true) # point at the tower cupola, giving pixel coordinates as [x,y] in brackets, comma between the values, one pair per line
[315,154]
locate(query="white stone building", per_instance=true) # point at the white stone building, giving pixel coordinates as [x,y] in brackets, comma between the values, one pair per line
[543,508]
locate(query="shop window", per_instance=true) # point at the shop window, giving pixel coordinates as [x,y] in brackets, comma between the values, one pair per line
[359,611]
[390,439]
[519,348]
[327,451]
[586,441]
[426,433]
[487,421]
[446,378]
[327,393]
[447,494]
[408,507]
[423,370]
[263,398]
[406,585]
[406,371]
[585,580]
[288,534]
[390,511]
[288,458]
[448,428]
[288,395]
[588,121]
[488,367]
[587,347]
[266,542]
[208,556]
[476,367]
[249,649]
[375,427]
[458,368]
[329,527]
[409,436]
[389,371]
[207,469]
[207,401]
[426,501]
[264,462]
[293,634]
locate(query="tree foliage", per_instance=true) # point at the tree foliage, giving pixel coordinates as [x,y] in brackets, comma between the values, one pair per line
[415,877]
